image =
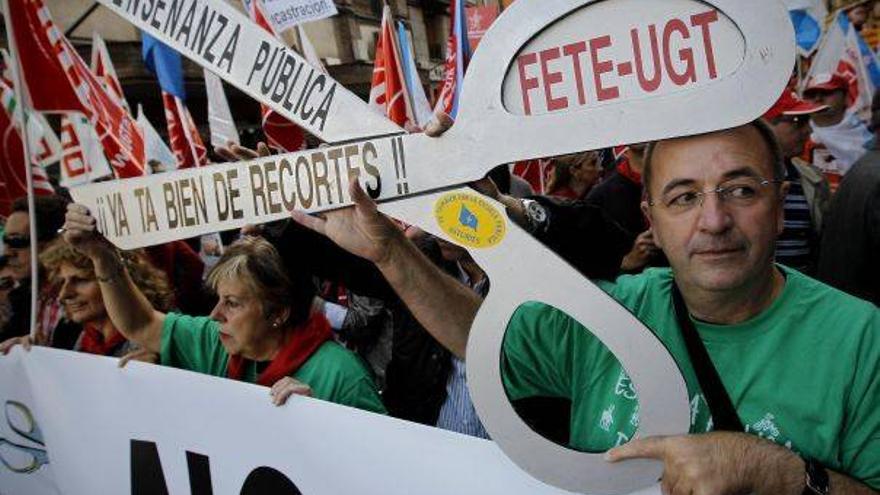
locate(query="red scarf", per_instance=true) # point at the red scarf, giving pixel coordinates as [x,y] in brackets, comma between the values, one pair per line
[93,342]
[626,170]
[302,343]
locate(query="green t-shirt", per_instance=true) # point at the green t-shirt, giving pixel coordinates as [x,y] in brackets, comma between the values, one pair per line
[805,373]
[334,373]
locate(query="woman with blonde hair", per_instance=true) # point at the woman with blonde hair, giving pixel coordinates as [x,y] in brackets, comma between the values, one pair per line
[80,296]
[262,330]
[574,175]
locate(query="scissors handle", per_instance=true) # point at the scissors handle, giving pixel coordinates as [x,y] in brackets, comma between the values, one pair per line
[39,458]
[33,432]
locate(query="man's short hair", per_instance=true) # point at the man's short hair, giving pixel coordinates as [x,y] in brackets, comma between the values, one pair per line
[50,214]
[767,135]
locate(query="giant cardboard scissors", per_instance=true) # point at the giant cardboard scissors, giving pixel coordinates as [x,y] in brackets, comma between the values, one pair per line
[551,77]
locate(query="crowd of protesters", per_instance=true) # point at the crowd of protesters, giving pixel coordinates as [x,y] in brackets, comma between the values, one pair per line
[767,236]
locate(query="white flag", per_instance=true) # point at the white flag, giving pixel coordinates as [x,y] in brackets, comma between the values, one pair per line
[83,159]
[308,50]
[156,149]
[840,53]
[220,120]
[102,66]
[44,145]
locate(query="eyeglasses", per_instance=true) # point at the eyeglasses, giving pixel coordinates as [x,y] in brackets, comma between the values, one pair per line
[739,193]
[17,241]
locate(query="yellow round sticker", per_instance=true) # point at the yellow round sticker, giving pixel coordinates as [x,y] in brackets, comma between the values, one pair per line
[470,220]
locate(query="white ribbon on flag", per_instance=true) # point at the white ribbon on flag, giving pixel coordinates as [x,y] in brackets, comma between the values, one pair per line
[220,119]
[83,160]
[156,149]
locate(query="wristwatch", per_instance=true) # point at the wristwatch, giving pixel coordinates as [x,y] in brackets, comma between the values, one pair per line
[815,479]
[535,214]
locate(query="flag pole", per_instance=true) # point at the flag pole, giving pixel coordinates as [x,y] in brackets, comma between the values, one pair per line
[19,115]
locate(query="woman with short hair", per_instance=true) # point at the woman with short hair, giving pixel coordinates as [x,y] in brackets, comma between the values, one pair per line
[262,329]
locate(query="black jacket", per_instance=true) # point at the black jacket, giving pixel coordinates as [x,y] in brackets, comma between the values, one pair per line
[849,258]
[584,236]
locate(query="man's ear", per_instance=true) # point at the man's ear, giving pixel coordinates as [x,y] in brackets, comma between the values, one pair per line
[649,214]
[646,210]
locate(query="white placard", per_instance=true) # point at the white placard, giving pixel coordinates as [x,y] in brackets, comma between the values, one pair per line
[595,57]
[160,208]
[222,40]
[285,14]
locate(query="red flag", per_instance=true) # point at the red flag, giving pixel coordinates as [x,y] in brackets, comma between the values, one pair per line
[13,177]
[13,183]
[45,55]
[458,56]
[388,91]
[535,172]
[281,133]
[479,20]
[186,142]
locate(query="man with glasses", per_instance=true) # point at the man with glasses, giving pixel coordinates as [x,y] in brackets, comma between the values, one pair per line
[798,360]
[808,194]
[839,138]
[50,212]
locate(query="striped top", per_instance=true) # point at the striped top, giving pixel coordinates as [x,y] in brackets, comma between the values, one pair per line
[796,246]
[457,412]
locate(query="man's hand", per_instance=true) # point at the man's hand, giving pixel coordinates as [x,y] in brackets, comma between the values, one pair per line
[25,342]
[81,232]
[439,124]
[361,230]
[718,463]
[285,387]
[236,153]
[141,355]
[643,250]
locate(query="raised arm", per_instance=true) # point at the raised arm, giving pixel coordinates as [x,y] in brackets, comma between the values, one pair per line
[128,308]
[444,306]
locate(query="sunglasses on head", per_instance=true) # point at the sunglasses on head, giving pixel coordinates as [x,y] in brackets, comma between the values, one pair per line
[17,241]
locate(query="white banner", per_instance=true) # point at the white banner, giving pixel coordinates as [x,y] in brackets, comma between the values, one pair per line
[151,429]
[285,14]
[160,208]
[224,41]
